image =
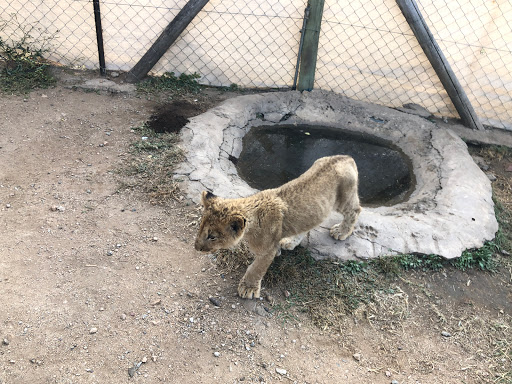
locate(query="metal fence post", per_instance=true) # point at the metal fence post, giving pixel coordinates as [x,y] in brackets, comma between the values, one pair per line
[99,36]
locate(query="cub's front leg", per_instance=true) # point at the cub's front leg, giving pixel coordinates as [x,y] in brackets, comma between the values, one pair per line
[250,285]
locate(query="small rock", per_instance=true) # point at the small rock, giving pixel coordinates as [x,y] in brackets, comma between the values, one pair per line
[110,253]
[505,253]
[281,371]
[216,354]
[5,341]
[480,161]
[7,205]
[259,310]
[415,109]
[123,316]
[154,239]
[287,294]
[446,334]
[144,359]
[394,382]
[214,301]
[357,356]
[157,302]
[93,330]
[491,177]
[59,208]
[132,370]
[270,298]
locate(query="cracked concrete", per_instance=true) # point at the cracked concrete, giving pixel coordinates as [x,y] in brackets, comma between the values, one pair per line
[450,210]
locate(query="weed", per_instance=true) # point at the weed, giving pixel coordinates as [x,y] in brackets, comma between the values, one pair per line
[353,267]
[423,262]
[481,258]
[504,235]
[24,67]
[169,82]
[393,265]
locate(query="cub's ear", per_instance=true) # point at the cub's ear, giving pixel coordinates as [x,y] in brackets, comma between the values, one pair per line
[237,224]
[206,195]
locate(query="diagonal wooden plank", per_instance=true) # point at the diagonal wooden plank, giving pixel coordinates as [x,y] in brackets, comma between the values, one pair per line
[438,61]
[165,40]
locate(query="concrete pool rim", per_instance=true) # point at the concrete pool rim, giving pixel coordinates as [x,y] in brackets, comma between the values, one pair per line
[450,210]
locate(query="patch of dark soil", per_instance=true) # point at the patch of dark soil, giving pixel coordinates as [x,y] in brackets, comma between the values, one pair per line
[174,116]
[472,287]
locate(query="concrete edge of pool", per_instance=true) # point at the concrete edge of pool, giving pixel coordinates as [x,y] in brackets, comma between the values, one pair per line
[450,210]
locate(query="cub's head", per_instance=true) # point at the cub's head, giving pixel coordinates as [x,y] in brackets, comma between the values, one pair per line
[222,225]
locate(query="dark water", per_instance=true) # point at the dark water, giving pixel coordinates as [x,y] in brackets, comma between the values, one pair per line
[274,155]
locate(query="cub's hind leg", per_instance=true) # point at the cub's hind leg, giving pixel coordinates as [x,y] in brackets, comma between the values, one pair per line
[289,243]
[350,211]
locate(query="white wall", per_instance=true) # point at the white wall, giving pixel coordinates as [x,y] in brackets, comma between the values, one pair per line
[367,51]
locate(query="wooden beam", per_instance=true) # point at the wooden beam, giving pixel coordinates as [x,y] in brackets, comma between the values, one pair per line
[438,61]
[165,40]
[310,46]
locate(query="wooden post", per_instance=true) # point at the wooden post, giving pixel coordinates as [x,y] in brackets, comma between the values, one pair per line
[165,40]
[310,47]
[438,61]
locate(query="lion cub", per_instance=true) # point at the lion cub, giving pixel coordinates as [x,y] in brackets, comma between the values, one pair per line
[280,218]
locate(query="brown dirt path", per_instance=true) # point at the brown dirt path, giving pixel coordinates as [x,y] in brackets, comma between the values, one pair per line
[94,279]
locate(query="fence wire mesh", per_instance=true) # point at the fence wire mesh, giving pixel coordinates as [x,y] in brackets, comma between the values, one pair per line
[367,50]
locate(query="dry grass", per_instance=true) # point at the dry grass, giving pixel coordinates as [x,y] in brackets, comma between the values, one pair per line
[151,165]
[232,260]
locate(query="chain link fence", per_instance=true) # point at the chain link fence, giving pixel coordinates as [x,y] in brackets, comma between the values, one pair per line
[367,50]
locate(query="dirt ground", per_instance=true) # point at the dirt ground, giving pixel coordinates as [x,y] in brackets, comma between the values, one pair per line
[97,285]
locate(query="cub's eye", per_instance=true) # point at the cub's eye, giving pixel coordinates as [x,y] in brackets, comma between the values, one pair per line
[211,237]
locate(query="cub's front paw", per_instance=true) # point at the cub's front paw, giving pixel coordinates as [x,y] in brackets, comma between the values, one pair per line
[340,233]
[249,291]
